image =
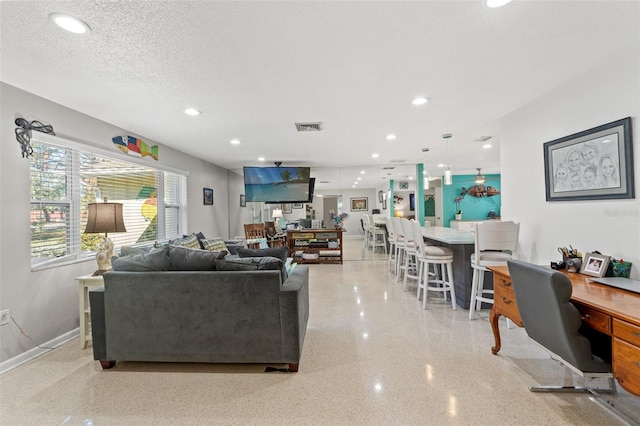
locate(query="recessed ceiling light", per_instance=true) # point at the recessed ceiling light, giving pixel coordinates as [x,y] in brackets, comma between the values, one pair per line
[261,159]
[69,23]
[192,111]
[362,172]
[234,142]
[359,178]
[375,155]
[318,195]
[497,3]
[353,186]
[391,137]
[487,146]
[420,100]
[355,183]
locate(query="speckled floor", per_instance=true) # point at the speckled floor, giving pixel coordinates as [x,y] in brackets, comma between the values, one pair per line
[372,356]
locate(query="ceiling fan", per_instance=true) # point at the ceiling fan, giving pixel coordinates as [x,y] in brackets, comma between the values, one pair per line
[480,189]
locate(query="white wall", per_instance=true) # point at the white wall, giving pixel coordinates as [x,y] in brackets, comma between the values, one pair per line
[45,303]
[352,224]
[599,96]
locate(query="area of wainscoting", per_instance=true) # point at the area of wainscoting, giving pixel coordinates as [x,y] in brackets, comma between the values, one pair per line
[372,356]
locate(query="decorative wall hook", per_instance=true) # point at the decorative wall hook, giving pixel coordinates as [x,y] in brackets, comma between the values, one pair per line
[23,134]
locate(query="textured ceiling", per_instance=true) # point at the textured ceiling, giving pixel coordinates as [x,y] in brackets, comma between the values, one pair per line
[255,68]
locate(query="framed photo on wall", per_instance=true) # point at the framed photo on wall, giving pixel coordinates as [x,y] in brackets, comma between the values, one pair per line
[594,164]
[297,205]
[207,196]
[380,196]
[359,204]
[243,200]
[286,208]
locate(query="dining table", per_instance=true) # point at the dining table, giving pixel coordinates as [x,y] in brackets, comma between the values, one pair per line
[461,242]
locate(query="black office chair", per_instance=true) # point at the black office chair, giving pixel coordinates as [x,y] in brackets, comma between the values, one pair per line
[549,318]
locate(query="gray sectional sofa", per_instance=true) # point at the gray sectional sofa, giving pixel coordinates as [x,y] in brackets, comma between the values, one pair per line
[221,316]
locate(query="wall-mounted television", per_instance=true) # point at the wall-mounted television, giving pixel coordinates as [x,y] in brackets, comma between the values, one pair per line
[277,184]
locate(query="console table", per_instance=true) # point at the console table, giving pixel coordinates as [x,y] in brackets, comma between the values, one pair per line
[607,309]
[86,282]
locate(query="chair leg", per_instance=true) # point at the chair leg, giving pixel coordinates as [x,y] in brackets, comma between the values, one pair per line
[452,287]
[474,294]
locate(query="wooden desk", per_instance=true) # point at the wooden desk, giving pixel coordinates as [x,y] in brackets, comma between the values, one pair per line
[607,309]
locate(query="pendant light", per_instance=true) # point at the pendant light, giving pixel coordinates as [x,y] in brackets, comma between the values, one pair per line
[447,169]
[479,178]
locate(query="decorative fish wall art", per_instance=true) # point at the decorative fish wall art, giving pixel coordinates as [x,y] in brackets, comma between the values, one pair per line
[134,146]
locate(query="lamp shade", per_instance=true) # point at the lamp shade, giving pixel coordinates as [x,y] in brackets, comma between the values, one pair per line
[277,213]
[105,217]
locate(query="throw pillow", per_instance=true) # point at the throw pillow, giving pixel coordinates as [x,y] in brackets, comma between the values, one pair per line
[213,244]
[186,259]
[279,252]
[189,242]
[127,250]
[252,264]
[152,261]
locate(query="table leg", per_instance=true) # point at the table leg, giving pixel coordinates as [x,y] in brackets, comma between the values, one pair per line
[82,295]
[493,318]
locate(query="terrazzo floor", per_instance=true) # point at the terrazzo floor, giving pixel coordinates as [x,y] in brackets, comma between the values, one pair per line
[372,356]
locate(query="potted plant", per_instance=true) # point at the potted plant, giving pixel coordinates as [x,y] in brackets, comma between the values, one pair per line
[459,215]
[458,210]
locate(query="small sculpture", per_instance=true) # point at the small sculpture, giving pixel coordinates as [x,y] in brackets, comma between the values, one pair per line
[103,256]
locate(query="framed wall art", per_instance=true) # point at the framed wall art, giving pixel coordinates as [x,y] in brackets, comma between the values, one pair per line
[243,200]
[297,205]
[595,164]
[207,196]
[359,204]
[286,208]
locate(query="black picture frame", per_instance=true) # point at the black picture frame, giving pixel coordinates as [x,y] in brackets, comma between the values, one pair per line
[207,196]
[380,196]
[243,200]
[595,164]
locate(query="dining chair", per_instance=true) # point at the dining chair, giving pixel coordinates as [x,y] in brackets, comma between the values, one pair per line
[255,233]
[495,243]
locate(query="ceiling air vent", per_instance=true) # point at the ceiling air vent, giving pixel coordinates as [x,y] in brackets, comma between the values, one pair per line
[397,161]
[309,127]
[324,181]
[388,168]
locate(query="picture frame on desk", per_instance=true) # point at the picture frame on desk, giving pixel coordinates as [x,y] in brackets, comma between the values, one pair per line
[594,164]
[595,265]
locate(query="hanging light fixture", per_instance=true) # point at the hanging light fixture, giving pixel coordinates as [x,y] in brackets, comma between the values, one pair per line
[479,178]
[447,168]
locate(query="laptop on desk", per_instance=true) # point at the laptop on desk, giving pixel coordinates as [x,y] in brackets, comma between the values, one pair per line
[619,282]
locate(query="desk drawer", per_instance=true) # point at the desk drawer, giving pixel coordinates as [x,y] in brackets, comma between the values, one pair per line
[595,319]
[626,365]
[627,332]
[504,298]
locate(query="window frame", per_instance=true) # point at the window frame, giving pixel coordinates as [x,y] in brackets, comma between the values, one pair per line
[74,202]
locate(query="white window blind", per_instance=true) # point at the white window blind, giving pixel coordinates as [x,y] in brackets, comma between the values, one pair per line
[65,180]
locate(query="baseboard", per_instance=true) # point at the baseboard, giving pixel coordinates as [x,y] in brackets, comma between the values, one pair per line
[27,356]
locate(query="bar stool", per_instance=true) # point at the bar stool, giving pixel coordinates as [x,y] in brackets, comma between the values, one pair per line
[400,243]
[378,236]
[410,265]
[495,244]
[437,256]
[392,243]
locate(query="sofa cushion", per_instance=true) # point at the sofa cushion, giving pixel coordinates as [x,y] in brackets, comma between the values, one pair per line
[279,252]
[213,244]
[144,262]
[127,250]
[252,264]
[189,242]
[186,259]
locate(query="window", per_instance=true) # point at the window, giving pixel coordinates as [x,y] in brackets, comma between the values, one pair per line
[65,179]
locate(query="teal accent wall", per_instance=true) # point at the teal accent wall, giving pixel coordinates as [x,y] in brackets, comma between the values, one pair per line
[473,208]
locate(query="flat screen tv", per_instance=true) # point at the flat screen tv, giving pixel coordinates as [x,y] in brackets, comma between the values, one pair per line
[277,184]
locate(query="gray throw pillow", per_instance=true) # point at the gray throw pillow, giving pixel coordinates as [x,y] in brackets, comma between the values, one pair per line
[144,262]
[252,264]
[127,250]
[279,252]
[185,259]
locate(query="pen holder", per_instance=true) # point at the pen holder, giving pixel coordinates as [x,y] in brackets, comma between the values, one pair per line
[573,263]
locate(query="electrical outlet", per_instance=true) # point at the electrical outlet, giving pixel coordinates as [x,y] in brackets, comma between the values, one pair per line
[4,317]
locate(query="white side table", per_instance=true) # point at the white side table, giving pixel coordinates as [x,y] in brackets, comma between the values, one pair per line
[86,282]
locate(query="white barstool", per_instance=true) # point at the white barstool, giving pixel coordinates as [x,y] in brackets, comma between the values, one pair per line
[410,265]
[495,244]
[400,244]
[391,236]
[438,257]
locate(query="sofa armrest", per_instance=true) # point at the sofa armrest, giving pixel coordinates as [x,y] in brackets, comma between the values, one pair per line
[294,311]
[98,330]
